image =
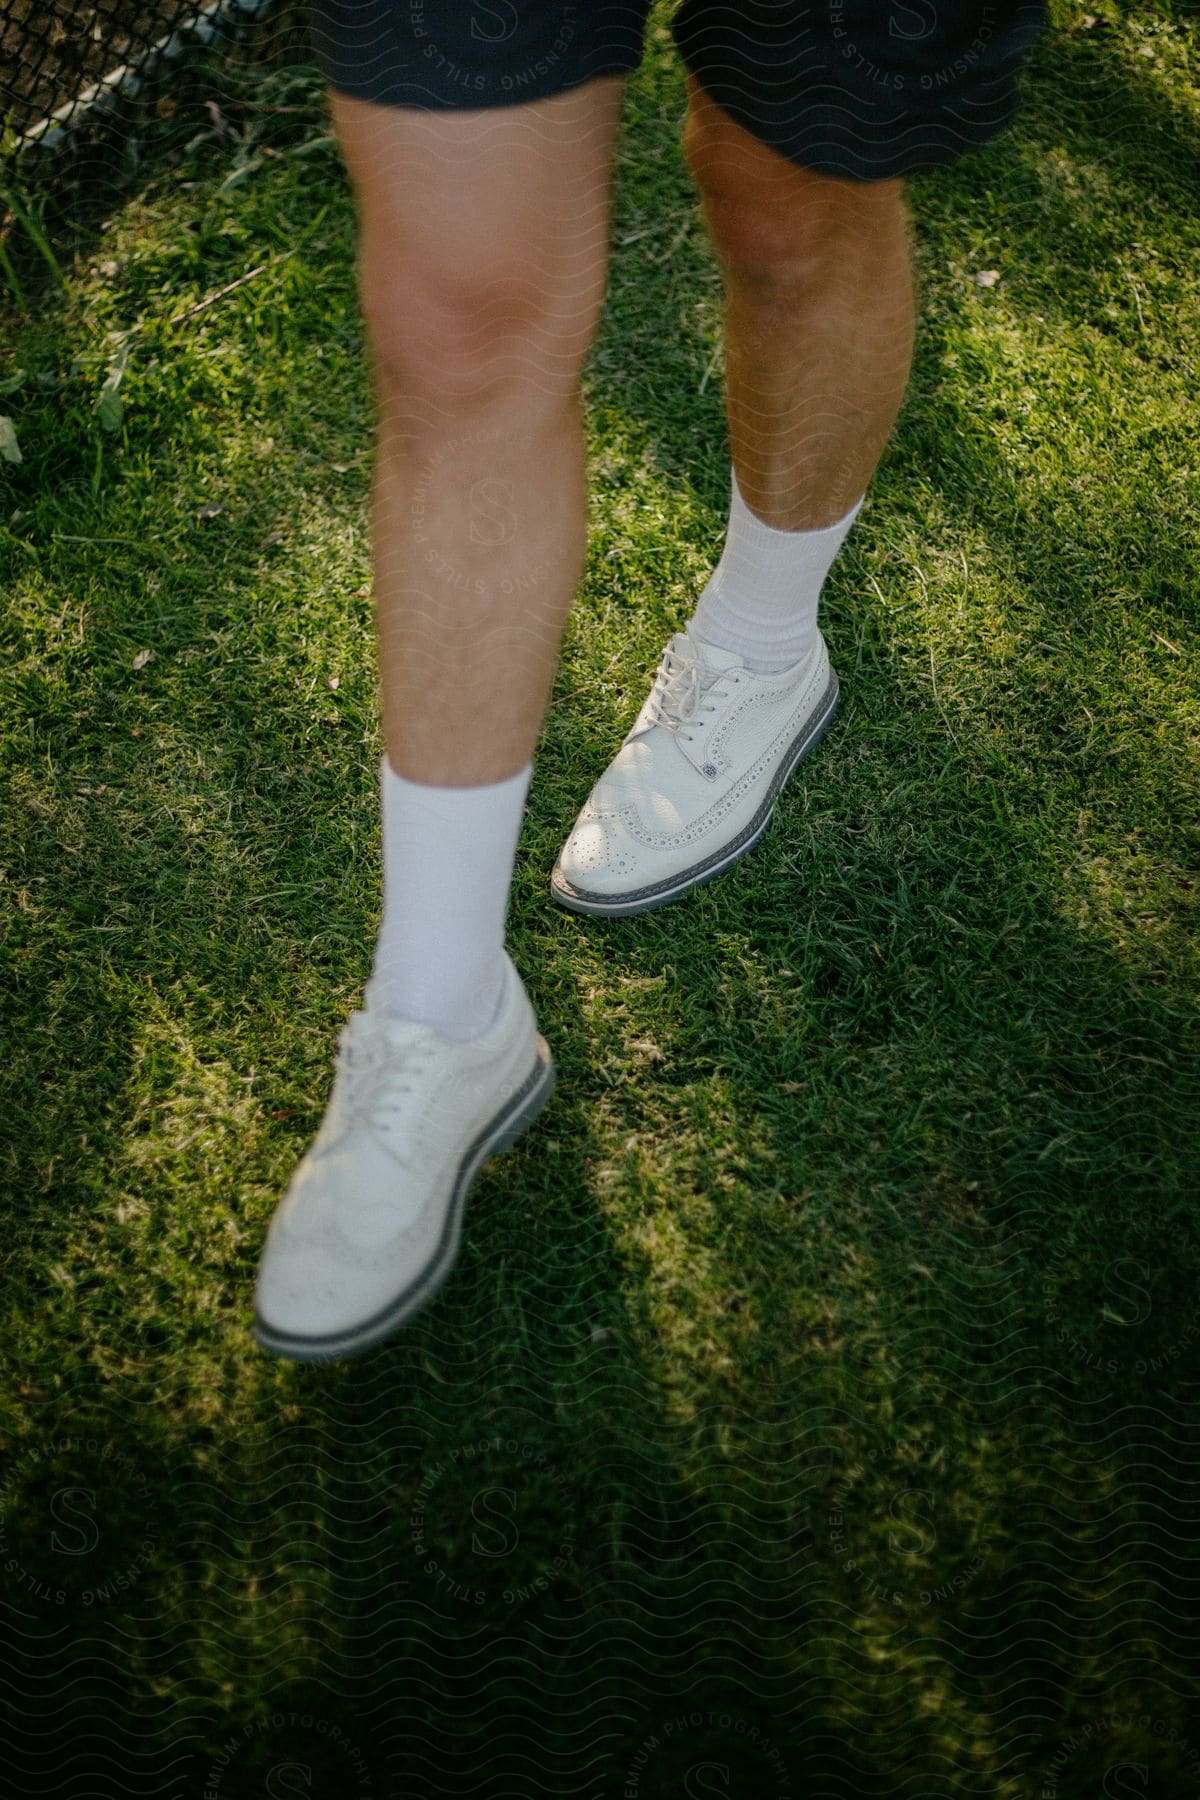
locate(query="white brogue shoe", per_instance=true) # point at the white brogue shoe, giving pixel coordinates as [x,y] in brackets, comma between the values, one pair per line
[371,1222]
[693,785]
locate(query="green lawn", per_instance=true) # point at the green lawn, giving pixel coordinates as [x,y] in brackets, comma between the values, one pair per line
[815,1400]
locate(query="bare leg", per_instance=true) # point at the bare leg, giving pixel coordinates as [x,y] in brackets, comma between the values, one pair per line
[482,261]
[819,320]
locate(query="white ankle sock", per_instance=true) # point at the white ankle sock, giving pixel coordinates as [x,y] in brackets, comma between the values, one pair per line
[447,868]
[761,599]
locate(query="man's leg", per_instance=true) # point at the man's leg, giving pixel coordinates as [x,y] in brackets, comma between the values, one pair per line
[818,347]
[482,251]
[819,332]
[818,324]
[483,242]
[483,239]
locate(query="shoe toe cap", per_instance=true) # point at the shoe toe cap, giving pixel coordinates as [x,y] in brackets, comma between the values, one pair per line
[596,857]
[310,1294]
[304,1294]
[342,1248]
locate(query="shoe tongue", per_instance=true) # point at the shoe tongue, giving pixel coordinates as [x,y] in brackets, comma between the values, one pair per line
[396,1032]
[714,661]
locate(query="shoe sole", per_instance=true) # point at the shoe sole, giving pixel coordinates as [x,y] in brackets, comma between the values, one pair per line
[615,906]
[514,1118]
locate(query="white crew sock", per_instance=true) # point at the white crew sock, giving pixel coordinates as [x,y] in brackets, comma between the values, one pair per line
[761,599]
[448,857]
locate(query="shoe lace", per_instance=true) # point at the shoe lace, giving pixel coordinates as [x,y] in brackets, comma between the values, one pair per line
[376,1076]
[677,696]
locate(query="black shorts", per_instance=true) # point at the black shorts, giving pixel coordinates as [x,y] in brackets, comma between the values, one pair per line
[863,89]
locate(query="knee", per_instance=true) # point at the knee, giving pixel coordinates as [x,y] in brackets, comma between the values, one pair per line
[463,339]
[774,226]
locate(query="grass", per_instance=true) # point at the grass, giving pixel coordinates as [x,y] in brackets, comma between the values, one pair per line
[814,1400]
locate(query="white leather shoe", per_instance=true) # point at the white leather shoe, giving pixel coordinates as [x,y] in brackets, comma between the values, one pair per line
[693,785]
[372,1220]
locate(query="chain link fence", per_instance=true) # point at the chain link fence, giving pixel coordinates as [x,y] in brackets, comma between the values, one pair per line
[54,57]
[60,60]
[90,89]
